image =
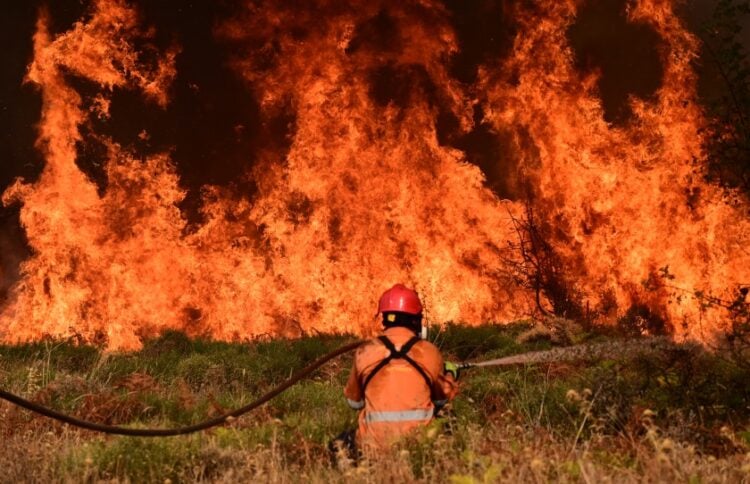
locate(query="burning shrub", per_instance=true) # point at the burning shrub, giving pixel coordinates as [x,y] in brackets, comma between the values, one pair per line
[541,269]
[640,320]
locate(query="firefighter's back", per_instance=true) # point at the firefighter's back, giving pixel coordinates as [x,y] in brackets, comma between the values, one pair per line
[398,392]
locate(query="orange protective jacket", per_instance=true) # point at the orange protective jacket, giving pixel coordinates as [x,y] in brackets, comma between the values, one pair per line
[397,397]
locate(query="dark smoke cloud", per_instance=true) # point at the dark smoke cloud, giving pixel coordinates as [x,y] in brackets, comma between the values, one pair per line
[13,250]
[625,53]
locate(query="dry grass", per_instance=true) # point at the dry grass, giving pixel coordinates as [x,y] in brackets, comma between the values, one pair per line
[593,422]
[494,453]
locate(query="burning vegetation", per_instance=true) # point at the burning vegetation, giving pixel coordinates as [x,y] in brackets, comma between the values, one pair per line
[500,192]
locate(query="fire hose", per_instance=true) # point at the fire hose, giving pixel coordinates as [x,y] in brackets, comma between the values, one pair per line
[207,424]
[592,351]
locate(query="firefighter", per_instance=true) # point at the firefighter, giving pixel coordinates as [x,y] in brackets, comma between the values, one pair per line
[398,380]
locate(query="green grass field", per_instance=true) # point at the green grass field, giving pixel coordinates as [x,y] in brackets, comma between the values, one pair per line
[680,415]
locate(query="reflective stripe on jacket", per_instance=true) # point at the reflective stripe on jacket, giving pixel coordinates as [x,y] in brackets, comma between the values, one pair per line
[399,416]
[397,398]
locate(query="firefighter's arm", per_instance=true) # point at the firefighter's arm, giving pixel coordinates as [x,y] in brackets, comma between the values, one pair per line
[353,390]
[449,385]
[445,387]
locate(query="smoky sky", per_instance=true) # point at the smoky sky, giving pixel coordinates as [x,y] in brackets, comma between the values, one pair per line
[214,127]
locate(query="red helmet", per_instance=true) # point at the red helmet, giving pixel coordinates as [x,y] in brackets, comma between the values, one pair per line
[400,299]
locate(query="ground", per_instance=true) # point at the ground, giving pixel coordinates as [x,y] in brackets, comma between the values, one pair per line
[678,414]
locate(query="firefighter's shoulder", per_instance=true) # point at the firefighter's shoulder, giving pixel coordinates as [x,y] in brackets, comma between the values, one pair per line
[368,347]
[428,346]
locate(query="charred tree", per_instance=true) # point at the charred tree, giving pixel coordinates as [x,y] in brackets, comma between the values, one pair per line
[541,269]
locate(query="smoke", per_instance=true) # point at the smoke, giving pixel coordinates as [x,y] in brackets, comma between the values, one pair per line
[13,251]
[623,52]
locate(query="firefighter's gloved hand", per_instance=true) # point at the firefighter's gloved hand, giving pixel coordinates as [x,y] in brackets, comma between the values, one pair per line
[452,369]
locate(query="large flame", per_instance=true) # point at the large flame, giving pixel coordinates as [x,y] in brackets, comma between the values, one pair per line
[628,202]
[366,194]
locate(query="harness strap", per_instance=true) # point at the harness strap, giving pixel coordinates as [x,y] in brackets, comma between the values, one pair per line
[400,354]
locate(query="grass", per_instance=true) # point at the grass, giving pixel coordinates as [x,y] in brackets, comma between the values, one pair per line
[678,415]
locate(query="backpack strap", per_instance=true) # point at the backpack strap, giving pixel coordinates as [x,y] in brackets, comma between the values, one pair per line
[400,354]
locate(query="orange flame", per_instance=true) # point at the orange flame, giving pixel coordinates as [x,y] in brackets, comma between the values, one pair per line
[367,195]
[630,200]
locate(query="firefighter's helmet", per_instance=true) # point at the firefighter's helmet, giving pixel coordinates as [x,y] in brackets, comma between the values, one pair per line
[400,299]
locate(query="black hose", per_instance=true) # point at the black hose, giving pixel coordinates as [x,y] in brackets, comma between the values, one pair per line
[113,429]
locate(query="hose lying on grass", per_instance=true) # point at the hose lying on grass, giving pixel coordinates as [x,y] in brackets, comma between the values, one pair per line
[580,352]
[207,424]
